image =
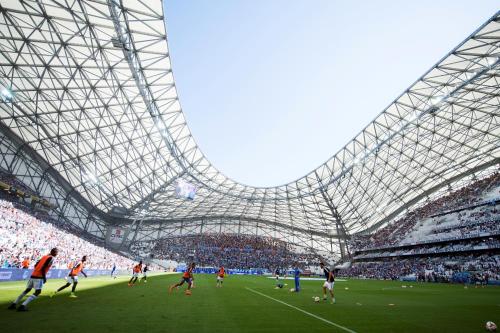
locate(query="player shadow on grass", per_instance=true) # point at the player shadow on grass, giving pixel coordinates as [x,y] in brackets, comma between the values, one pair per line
[92,310]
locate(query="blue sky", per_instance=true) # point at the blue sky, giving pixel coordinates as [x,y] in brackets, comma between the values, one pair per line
[272,89]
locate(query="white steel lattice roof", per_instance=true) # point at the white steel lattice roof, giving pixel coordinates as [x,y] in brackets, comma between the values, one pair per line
[93,93]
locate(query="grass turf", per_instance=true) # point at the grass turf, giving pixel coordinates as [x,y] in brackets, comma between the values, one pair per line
[105,305]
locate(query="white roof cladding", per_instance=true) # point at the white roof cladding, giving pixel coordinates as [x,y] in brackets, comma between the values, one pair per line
[94,95]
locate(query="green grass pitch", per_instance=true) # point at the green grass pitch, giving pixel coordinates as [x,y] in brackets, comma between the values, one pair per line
[106,305]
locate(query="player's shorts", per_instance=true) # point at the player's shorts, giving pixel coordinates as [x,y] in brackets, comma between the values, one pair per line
[72,279]
[144,274]
[34,283]
[186,279]
[328,285]
[135,274]
[220,278]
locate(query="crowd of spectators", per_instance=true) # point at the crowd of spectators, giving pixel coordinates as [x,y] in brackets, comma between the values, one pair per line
[466,230]
[468,196]
[428,269]
[457,233]
[432,248]
[236,251]
[481,215]
[25,236]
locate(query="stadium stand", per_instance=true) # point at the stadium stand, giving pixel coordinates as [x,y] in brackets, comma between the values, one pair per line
[430,269]
[233,251]
[25,234]
[441,241]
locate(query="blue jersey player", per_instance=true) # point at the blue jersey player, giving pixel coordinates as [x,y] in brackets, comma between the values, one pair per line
[296,275]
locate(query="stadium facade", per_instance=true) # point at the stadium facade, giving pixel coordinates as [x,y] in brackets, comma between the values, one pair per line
[90,119]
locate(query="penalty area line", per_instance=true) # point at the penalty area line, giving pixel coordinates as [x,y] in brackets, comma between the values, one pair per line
[303,311]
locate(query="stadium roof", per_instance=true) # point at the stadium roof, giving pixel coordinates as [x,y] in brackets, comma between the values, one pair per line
[88,87]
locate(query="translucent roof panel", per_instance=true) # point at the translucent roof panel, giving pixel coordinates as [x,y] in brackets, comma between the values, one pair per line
[89,86]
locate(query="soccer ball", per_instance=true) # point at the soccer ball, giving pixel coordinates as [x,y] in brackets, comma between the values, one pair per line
[491,326]
[316,299]
[292,290]
[188,292]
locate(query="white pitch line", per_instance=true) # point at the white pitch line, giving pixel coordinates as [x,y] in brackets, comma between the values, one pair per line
[9,287]
[305,278]
[303,311]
